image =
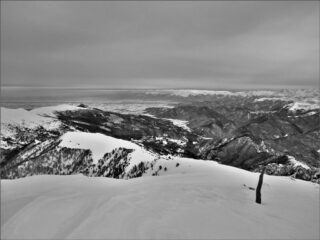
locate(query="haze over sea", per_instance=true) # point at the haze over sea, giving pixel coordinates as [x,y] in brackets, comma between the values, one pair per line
[30,98]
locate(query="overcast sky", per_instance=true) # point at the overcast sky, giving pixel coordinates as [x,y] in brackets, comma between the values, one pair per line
[203,45]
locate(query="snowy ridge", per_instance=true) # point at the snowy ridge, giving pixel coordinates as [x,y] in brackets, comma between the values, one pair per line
[196,200]
[51,110]
[100,144]
[39,117]
[172,198]
[11,118]
[22,117]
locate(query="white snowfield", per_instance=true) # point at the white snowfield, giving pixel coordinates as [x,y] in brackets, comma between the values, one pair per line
[22,118]
[51,110]
[40,117]
[196,200]
[180,123]
[100,144]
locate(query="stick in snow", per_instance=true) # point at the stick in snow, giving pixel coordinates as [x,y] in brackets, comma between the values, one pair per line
[258,191]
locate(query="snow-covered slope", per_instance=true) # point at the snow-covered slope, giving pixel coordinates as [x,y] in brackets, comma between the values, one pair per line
[40,117]
[100,144]
[180,123]
[196,200]
[51,110]
[21,118]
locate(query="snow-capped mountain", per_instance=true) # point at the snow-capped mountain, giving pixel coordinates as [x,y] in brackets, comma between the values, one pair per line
[171,152]
[241,132]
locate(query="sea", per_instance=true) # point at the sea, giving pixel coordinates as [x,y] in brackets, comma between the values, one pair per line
[118,100]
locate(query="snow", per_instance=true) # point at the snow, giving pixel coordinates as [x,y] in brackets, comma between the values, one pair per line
[132,108]
[197,200]
[22,117]
[39,117]
[180,123]
[177,122]
[51,110]
[267,99]
[259,93]
[100,144]
[307,99]
[11,118]
[310,113]
[5,145]
[302,105]
[263,148]
[177,141]
[297,163]
[33,118]
[187,93]
[40,146]
[195,92]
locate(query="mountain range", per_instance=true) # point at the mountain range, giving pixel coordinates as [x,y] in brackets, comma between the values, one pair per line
[249,131]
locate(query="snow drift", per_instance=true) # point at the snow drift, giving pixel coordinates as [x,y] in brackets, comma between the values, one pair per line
[194,200]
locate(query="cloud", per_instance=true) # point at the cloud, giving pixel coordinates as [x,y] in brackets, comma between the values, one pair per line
[160,44]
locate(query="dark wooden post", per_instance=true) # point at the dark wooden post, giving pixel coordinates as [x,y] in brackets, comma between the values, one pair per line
[258,191]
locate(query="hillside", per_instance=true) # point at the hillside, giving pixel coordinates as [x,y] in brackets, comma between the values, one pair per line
[196,200]
[242,131]
[82,172]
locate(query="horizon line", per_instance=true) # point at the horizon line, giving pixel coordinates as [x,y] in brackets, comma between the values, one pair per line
[159,88]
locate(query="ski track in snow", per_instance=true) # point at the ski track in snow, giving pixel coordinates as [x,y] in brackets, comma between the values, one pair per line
[198,199]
